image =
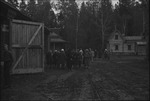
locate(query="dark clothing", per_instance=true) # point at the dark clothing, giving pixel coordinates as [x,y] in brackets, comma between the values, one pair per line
[86,58]
[8,56]
[95,55]
[69,59]
[62,59]
[106,55]
[8,60]
[7,68]
[49,58]
[79,59]
[55,58]
[75,58]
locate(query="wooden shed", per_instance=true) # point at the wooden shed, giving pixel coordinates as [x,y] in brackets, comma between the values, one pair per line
[27,39]
[56,41]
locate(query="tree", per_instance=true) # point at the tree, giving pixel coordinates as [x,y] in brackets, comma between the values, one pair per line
[145,7]
[13,2]
[124,11]
[88,30]
[104,20]
[23,7]
[31,9]
[40,11]
[68,19]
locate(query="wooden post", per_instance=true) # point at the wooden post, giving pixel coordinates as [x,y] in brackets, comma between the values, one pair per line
[43,46]
[48,42]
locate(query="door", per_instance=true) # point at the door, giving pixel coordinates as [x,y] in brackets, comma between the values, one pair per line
[27,45]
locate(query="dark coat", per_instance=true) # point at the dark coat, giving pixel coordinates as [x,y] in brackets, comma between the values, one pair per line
[49,58]
[62,58]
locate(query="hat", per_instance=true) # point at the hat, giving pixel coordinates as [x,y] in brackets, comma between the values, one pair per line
[80,51]
[62,49]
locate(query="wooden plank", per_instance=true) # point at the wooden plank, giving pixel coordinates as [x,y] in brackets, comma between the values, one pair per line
[27,46]
[38,57]
[23,46]
[16,35]
[26,22]
[23,35]
[10,36]
[26,71]
[35,42]
[42,34]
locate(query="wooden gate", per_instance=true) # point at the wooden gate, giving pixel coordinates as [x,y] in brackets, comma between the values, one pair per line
[27,44]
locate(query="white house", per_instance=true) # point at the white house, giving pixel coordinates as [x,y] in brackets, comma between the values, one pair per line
[121,44]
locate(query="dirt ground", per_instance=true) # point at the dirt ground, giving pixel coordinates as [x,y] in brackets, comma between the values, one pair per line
[120,78]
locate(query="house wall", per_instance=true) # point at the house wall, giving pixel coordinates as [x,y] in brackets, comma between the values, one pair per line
[141,49]
[123,45]
[113,42]
[133,47]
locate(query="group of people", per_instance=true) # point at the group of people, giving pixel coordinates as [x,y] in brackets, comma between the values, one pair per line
[69,58]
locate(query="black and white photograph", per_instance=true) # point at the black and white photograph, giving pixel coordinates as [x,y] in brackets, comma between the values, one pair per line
[74,50]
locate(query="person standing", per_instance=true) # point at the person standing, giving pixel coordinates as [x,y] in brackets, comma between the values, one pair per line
[69,59]
[87,58]
[93,54]
[55,58]
[80,58]
[106,54]
[49,58]
[62,59]
[8,60]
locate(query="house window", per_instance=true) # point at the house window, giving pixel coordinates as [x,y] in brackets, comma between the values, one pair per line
[116,47]
[116,37]
[129,47]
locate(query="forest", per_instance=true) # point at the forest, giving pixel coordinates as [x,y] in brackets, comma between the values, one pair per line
[91,24]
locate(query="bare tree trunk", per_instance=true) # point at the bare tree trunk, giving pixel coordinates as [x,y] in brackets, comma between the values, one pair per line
[124,26]
[143,23]
[102,23]
[77,33]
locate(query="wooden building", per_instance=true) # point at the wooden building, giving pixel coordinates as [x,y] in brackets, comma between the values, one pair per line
[121,44]
[27,39]
[56,42]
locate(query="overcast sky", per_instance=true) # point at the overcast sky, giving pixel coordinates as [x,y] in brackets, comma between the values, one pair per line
[80,1]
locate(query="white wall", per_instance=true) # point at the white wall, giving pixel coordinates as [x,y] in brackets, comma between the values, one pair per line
[114,42]
[132,47]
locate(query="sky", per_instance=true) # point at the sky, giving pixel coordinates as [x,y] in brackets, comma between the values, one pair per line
[80,1]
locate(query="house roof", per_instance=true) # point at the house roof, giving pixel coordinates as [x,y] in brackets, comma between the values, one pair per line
[55,38]
[112,34]
[133,38]
[58,40]
[54,35]
[126,38]
[141,43]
